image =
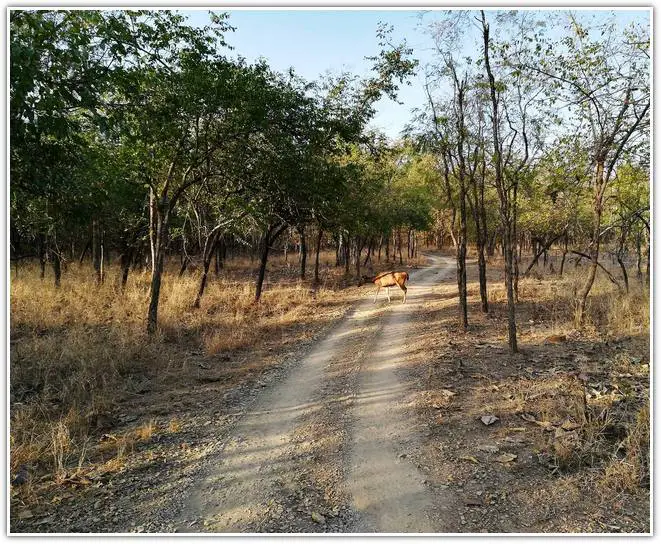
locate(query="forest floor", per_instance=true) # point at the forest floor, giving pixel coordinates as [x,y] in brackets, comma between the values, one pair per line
[373,421]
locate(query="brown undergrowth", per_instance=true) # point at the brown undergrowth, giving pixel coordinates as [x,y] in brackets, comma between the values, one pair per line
[572,406]
[80,355]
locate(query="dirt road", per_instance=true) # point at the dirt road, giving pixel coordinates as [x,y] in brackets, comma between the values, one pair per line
[325,448]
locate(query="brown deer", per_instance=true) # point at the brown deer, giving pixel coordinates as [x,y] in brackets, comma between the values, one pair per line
[388,280]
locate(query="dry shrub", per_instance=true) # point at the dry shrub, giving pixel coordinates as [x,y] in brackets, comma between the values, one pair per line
[78,351]
[609,310]
[632,470]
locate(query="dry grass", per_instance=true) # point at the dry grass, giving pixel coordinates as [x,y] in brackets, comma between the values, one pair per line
[78,352]
[606,417]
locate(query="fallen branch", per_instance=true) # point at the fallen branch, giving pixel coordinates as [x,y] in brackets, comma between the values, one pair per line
[610,276]
[541,252]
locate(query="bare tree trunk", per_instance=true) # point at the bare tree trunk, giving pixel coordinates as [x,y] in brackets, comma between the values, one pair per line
[125,264]
[539,252]
[564,254]
[461,258]
[153,217]
[388,249]
[57,268]
[399,245]
[262,264]
[368,257]
[503,194]
[620,256]
[359,249]
[639,257]
[42,256]
[96,250]
[594,243]
[86,248]
[270,236]
[210,249]
[102,258]
[304,251]
[316,257]
[158,243]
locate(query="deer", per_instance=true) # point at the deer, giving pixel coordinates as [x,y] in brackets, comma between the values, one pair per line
[388,280]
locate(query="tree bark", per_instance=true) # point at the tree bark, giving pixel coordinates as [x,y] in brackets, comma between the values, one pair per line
[304,251]
[210,249]
[639,257]
[125,264]
[599,185]
[316,257]
[158,243]
[539,253]
[388,249]
[624,231]
[505,204]
[270,236]
[42,256]
[86,248]
[57,268]
[564,255]
[96,250]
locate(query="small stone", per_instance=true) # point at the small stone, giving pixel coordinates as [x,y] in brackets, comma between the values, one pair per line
[318,518]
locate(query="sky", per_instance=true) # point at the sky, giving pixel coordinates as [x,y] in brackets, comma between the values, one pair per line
[314,42]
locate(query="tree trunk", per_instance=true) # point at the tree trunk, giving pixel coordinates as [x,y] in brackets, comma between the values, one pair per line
[102,258]
[158,241]
[316,257]
[368,258]
[262,264]
[84,251]
[503,194]
[96,250]
[541,251]
[153,218]
[210,249]
[594,243]
[461,257]
[564,255]
[388,249]
[270,236]
[304,251]
[639,257]
[625,276]
[347,254]
[620,256]
[57,268]
[359,250]
[399,245]
[125,264]
[42,256]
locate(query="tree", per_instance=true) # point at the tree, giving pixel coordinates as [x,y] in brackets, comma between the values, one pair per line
[602,78]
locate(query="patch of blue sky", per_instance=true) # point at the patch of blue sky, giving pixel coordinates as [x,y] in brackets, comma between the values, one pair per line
[315,42]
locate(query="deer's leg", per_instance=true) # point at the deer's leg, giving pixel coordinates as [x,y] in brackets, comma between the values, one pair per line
[378,288]
[388,291]
[404,289]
